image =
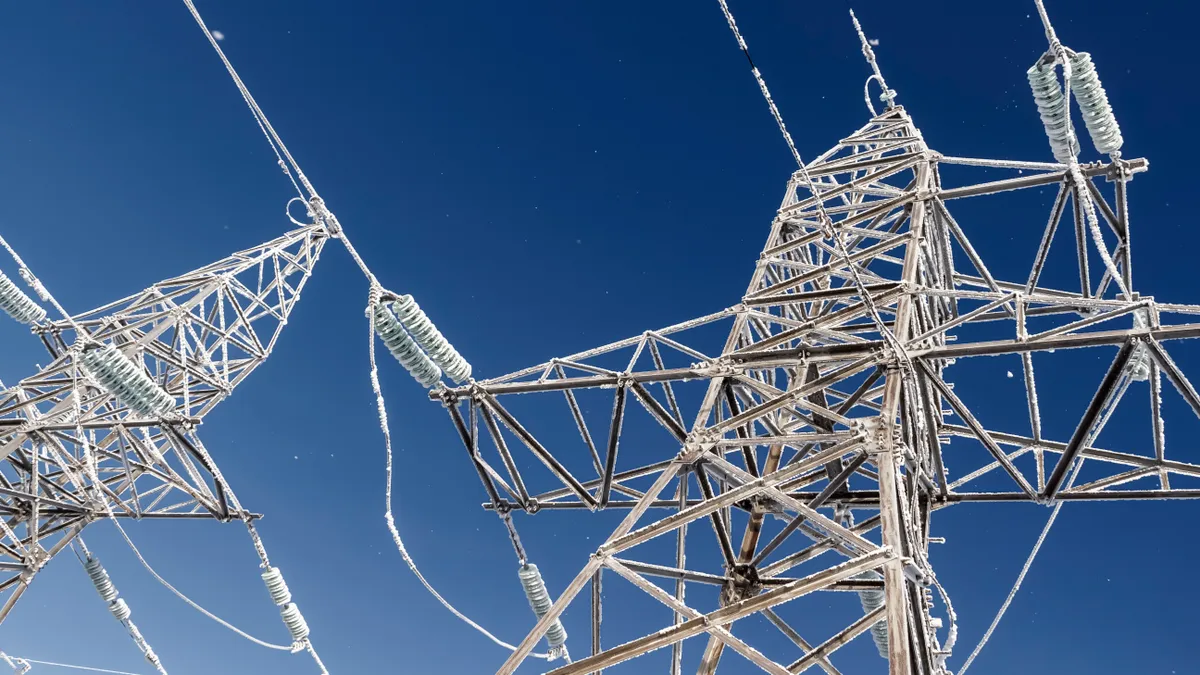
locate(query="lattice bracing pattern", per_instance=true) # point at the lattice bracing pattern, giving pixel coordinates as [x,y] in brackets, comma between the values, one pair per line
[197,336]
[818,415]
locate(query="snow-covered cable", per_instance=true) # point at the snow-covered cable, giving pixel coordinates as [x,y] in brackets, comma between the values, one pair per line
[309,193]
[826,221]
[89,461]
[381,408]
[1089,438]
[889,95]
[71,667]
[1037,547]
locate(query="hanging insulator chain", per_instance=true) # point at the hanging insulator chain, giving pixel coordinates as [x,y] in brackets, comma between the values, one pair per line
[16,304]
[119,608]
[431,339]
[1052,106]
[142,645]
[282,597]
[106,589]
[100,579]
[872,600]
[540,602]
[1093,103]
[403,347]
[118,375]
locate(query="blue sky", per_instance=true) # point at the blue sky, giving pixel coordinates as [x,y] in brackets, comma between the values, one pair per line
[543,177]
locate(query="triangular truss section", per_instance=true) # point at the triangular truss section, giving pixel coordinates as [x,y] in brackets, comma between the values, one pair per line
[814,426]
[197,336]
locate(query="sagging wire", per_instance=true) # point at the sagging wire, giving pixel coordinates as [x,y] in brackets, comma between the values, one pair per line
[117,605]
[21,665]
[1037,547]
[1127,377]
[436,345]
[381,408]
[90,465]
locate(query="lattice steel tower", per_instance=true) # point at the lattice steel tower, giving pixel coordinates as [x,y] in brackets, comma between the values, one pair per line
[821,435]
[195,338]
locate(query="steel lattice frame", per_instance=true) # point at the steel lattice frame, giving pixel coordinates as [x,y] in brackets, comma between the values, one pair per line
[199,335]
[813,416]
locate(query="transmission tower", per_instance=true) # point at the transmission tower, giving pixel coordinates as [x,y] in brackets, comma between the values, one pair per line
[815,425]
[195,337]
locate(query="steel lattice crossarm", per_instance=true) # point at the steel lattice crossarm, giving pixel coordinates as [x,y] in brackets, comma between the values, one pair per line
[197,336]
[817,416]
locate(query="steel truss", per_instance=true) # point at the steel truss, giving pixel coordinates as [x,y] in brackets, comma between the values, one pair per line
[829,409]
[199,335]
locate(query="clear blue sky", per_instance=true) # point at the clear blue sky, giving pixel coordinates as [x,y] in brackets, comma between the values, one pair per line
[543,177]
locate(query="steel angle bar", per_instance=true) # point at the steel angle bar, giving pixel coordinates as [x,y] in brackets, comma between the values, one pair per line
[538,449]
[1056,478]
[1181,382]
[725,615]
[982,434]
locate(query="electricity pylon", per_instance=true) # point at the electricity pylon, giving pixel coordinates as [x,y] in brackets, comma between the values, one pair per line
[198,335]
[820,436]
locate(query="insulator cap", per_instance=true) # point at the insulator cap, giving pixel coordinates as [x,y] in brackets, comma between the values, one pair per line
[295,622]
[120,610]
[276,586]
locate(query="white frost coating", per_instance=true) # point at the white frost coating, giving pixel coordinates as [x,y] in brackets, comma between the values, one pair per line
[381,408]
[872,600]
[1054,109]
[1093,103]
[431,339]
[541,602]
[1089,439]
[118,375]
[16,304]
[403,346]
[826,221]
